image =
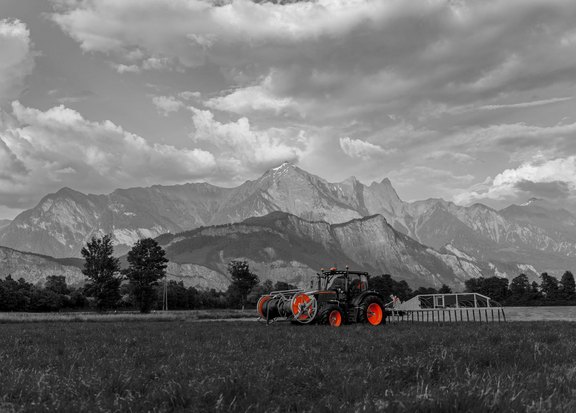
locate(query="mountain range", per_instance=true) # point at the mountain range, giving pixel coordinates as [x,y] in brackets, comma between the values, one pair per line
[368,226]
[284,247]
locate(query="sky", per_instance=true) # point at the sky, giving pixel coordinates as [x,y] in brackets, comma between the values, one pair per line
[466,100]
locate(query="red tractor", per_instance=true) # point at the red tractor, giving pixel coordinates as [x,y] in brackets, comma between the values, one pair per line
[341,297]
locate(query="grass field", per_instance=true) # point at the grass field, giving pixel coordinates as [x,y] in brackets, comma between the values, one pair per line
[183,366]
[125,316]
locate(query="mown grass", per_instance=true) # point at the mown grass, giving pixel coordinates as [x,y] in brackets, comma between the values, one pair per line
[182,366]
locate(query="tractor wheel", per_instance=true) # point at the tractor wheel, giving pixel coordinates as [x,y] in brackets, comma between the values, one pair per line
[332,316]
[372,311]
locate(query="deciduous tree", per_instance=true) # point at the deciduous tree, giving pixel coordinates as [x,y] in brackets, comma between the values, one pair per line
[147,266]
[568,286]
[549,287]
[520,286]
[243,280]
[102,268]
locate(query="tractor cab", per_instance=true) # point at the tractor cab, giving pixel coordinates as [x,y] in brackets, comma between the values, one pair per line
[346,283]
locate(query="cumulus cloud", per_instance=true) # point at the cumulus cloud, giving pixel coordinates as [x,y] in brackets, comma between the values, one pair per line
[17,58]
[190,95]
[242,146]
[251,99]
[539,177]
[122,68]
[357,148]
[167,104]
[45,150]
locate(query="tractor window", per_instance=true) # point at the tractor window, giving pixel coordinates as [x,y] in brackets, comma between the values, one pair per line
[336,283]
[358,282]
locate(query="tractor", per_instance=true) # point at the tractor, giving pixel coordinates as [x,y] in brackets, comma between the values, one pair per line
[340,297]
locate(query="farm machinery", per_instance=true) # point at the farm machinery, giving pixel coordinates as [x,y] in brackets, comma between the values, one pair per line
[341,297]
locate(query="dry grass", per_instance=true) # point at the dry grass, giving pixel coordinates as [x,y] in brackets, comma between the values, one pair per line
[182,366]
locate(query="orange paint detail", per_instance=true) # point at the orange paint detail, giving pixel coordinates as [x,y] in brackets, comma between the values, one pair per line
[335,318]
[299,303]
[374,314]
[260,305]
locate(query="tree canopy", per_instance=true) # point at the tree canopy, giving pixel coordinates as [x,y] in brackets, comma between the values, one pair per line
[147,265]
[101,269]
[243,280]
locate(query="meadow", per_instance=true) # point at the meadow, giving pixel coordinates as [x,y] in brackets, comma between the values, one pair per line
[251,367]
[127,316]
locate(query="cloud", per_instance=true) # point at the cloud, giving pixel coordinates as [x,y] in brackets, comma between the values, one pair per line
[167,104]
[548,190]
[526,104]
[522,141]
[337,60]
[357,148]
[49,149]
[189,95]
[122,68]
[252,99]
[432,80]
[434,182]
[539,177]
[17,58]
[449,156]
[245,148]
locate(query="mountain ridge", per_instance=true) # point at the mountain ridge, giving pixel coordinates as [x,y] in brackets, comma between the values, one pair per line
[284,247]
[62,222]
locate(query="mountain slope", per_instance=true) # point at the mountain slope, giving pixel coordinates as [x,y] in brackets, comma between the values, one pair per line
[4,223]
[282,246]
[487,234]
[35,268]
[545,215]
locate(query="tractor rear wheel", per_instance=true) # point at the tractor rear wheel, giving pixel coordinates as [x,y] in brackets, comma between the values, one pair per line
[372,311]
[332,316]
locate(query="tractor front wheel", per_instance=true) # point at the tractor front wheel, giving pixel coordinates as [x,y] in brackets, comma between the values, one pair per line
[332,316]
[372,311]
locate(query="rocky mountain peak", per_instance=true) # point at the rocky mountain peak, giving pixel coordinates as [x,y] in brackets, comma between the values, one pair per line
[540,203]
[351,180]
[532,201]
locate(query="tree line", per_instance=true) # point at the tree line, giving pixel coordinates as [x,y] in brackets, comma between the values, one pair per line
[138,286]
[517,292]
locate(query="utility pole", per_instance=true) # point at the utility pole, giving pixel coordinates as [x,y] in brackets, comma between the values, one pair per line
[165,295]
